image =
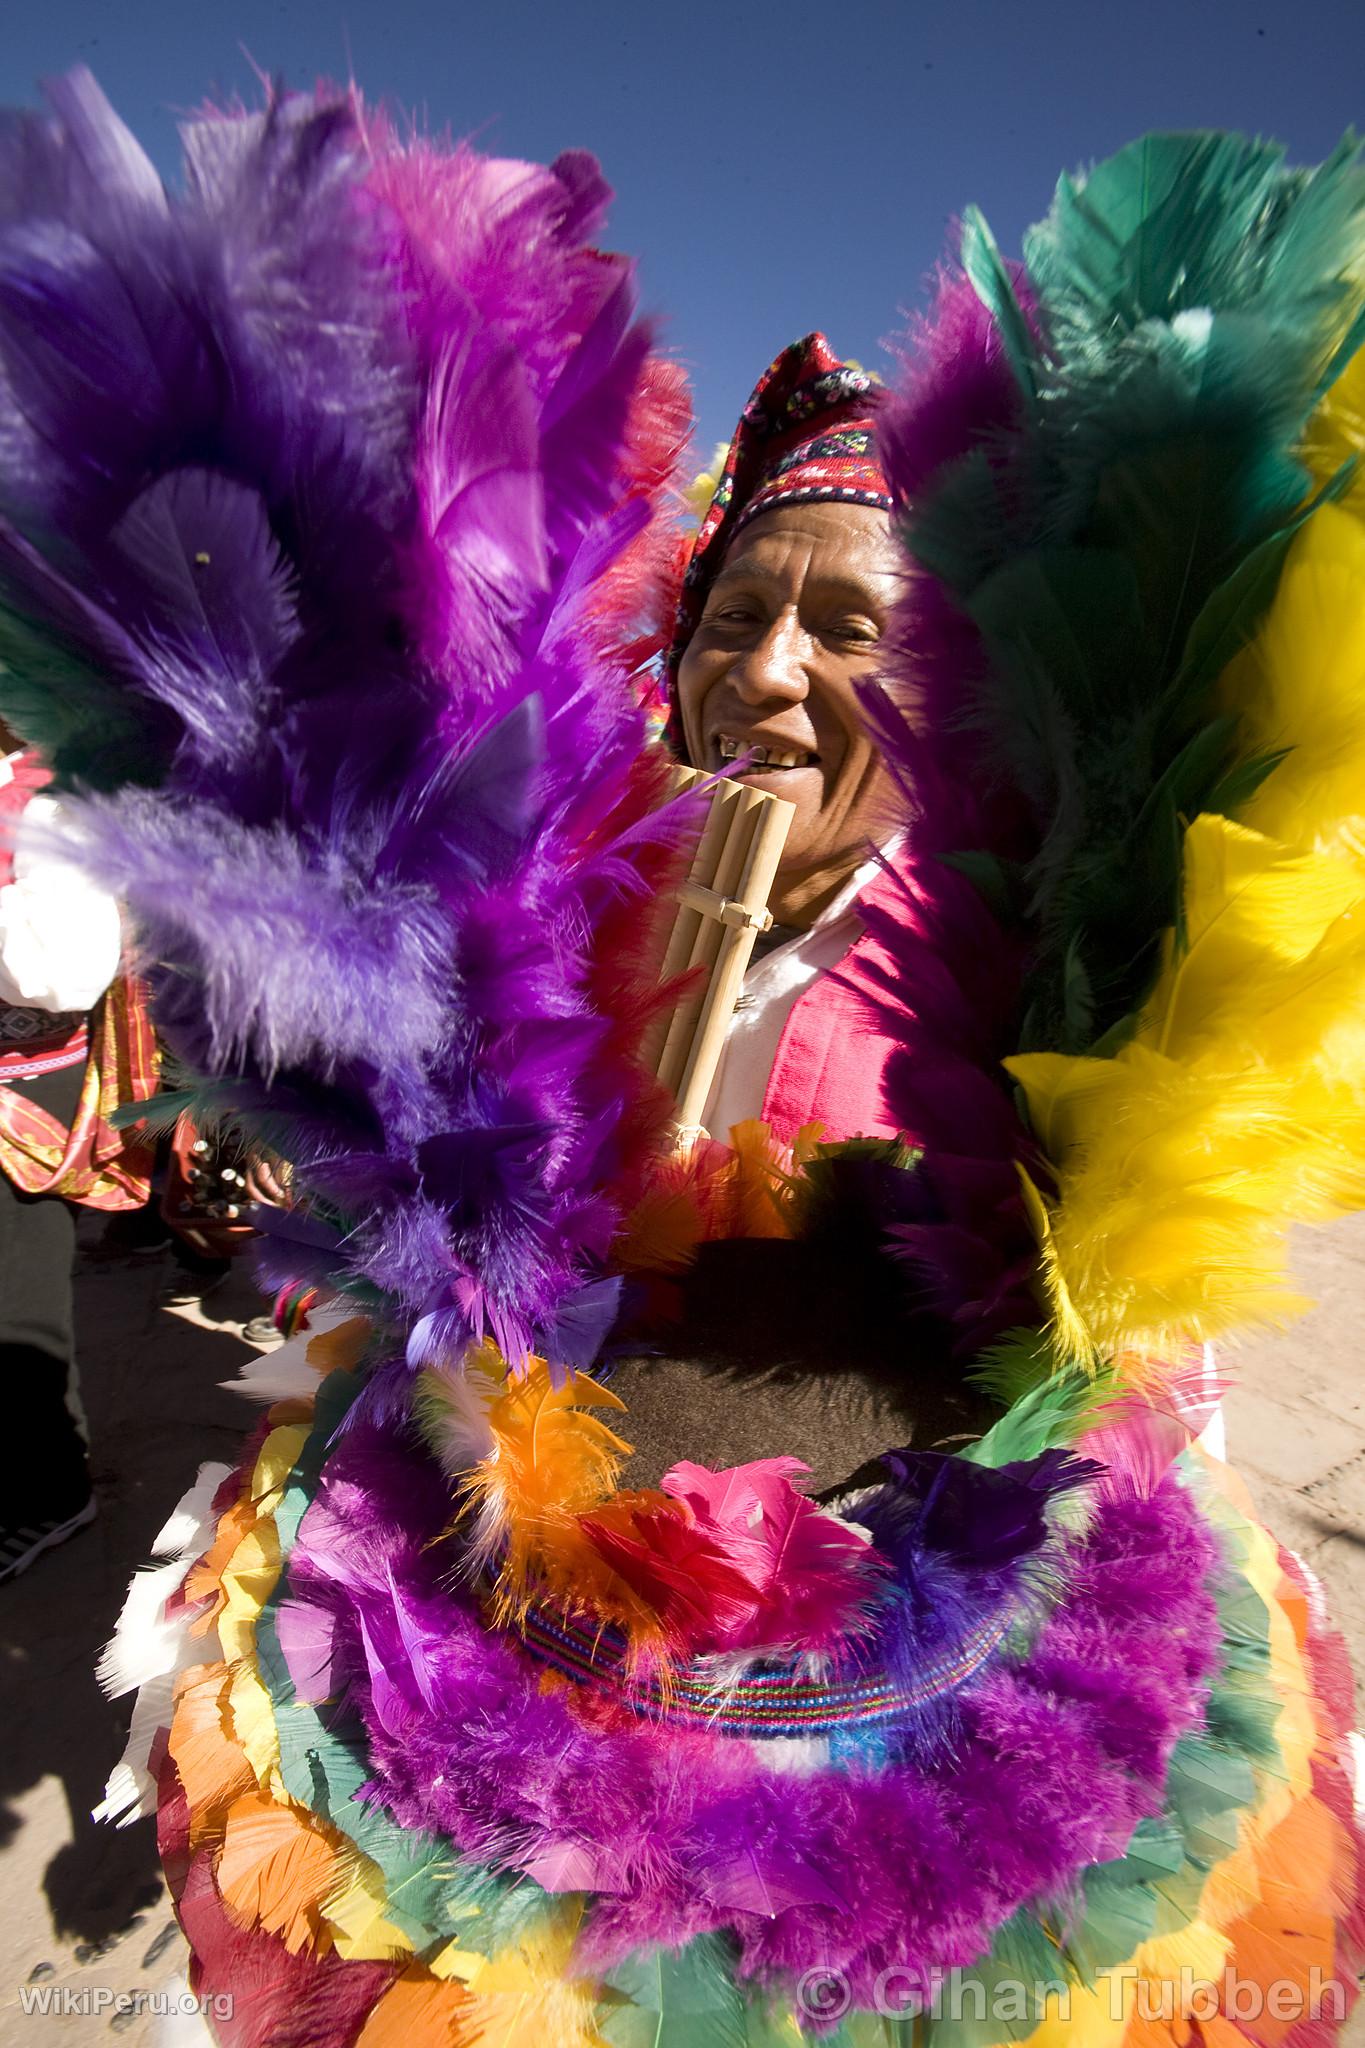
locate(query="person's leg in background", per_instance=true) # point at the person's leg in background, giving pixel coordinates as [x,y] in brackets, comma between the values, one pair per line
[46,1493]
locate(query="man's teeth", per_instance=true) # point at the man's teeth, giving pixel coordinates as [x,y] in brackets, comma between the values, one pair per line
[763,757]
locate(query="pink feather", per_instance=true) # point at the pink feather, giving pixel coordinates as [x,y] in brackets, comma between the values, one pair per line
[747,1564]
[1140,1435]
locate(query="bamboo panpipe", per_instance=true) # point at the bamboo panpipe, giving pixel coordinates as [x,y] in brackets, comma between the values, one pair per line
[722,907]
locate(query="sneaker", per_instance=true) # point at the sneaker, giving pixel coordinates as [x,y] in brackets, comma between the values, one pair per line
[21,1542]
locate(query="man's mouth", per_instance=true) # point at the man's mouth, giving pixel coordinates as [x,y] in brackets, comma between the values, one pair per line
[729,748]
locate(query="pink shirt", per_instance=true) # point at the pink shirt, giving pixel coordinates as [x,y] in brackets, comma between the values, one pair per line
[810,1041]
[838,1050]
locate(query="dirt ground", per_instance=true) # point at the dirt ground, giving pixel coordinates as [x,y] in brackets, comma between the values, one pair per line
[84,1906]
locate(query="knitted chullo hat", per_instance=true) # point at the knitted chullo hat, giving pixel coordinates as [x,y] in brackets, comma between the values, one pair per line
[805,437]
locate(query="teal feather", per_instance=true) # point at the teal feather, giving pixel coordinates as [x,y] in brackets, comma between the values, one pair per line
[674,1998]
[1178,222]
[984,265]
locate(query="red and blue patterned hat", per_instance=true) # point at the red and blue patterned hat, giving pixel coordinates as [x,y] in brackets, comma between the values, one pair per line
[805,436]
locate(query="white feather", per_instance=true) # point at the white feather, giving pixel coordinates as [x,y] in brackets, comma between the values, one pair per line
[453,1404]
[284,1374]
[147,1650]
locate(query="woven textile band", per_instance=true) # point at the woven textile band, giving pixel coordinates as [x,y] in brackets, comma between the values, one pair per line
[772,1703]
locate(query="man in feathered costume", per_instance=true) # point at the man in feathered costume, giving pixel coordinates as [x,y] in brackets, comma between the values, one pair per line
[791,585]
[332,499]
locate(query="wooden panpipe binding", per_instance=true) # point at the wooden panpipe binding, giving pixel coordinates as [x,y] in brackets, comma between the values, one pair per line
[722,907]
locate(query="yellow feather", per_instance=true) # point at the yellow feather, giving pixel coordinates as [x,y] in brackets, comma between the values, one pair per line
[259,1498]
[1337,431]
[249,1578]
[1256,914]
[1239,1105]
[702,488]
[526,1993]
[1175,1184]
[251,1719]
[340,1349]
[1071,1336]
[1300,685]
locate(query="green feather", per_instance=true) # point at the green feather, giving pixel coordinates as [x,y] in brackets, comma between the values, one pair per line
[990,280]
[87,731]
[1045,1408]
[1001,1998]
[1120,1900]
[1179,222]
[998,882]
[674,1998]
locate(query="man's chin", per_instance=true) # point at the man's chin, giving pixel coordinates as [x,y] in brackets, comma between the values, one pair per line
[810,877]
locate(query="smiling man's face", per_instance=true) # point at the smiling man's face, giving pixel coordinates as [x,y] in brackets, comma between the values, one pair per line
[792,623]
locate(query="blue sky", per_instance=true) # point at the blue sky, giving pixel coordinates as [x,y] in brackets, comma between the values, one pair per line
[778,167]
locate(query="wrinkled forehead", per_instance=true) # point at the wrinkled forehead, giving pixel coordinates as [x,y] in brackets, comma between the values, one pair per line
[853,542]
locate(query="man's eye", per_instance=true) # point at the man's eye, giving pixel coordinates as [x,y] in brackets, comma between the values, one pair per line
[859,632]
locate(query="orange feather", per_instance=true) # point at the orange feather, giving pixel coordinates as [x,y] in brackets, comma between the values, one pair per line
[553,1459]
[204,1580]
[212,1768]
[420,2009]
[275,1869]
[341,1349]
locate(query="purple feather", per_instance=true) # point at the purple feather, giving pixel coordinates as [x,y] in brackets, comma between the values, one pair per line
[238,910]
[981,1517]
[336,441]
[480,550]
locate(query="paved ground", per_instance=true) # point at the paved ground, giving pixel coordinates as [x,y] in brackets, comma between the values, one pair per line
[85,1908]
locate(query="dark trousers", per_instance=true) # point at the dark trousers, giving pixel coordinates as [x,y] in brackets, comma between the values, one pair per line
[47,1477]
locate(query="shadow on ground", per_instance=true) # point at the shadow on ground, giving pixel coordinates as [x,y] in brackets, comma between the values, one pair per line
[156,1412]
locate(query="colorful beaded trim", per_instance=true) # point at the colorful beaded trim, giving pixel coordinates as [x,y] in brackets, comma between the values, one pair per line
[769,1703]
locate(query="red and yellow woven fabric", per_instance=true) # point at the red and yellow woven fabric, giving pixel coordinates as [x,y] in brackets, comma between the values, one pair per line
[92,1163]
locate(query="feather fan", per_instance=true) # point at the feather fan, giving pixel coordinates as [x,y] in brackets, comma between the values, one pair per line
[1106,488]
[1130,454]
[358,458]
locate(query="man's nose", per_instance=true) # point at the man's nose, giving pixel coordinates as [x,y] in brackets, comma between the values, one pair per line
[775,666]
